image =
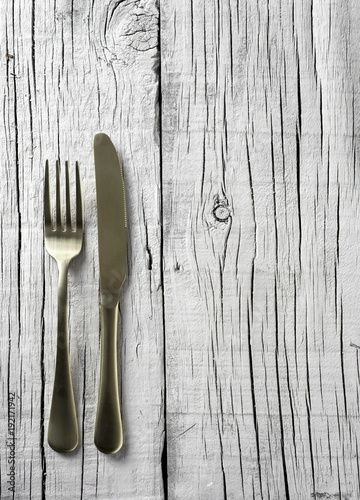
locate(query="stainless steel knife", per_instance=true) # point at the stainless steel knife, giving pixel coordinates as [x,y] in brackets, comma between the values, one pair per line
[112,241]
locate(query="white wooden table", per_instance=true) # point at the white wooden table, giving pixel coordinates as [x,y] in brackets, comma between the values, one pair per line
[237,122]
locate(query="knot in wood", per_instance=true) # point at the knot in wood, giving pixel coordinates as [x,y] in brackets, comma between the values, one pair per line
[142,30]
[221,211]
[134,24]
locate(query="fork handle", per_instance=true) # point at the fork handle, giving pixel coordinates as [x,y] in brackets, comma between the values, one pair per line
[108,427]
[63,429]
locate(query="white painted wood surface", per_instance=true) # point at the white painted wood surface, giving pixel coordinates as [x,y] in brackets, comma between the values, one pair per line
[237,124]
[69,70]
[261,114]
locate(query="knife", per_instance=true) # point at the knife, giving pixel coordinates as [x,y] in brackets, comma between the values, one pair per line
[112,241]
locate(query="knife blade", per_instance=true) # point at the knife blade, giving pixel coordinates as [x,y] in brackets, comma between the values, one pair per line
[112,245]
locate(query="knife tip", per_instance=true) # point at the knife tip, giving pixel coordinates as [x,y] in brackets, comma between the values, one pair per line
[99,138]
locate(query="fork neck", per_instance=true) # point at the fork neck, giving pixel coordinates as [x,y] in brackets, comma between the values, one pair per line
[62,299]
[63,266]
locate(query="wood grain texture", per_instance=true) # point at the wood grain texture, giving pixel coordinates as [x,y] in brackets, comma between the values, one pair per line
[237,126]
[69,70]
[261,207]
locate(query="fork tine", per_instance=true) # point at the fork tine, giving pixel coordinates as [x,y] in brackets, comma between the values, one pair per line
[47,204]
[58,200]
[79,210]
[68,205]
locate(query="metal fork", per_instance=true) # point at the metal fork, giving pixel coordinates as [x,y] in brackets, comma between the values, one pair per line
[63,243]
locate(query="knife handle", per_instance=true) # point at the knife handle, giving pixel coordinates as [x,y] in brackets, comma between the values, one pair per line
[108,428]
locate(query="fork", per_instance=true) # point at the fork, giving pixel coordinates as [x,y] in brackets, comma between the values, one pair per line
[63,243]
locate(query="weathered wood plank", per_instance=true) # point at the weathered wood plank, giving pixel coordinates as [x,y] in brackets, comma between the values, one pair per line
[259,108]
[260,203]
[72,70]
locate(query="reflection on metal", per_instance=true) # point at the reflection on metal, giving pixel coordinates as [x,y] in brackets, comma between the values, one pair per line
[63,244]
[112,238]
